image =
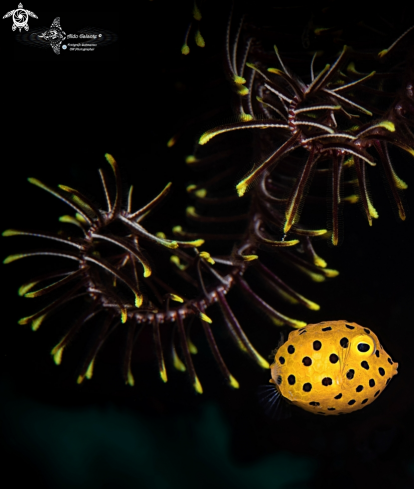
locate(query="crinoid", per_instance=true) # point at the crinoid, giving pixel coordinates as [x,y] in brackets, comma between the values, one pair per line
[114,272]
[323,123]
[134,279]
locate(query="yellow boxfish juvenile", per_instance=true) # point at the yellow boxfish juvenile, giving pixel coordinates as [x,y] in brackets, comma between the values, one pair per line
[333,367]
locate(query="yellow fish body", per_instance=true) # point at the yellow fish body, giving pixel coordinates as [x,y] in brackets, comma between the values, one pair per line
[333,367]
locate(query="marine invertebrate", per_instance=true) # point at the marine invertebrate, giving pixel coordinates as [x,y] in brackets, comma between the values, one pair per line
[319,117]
[112,248]
[330,368]
[108,272]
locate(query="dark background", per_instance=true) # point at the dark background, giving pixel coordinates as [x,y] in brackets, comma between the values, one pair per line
[60,115]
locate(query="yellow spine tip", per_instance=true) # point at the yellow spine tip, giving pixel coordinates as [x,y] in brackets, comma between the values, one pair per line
[192,348]
[176,298]
[173,140]
[147,271]
[205,138]
[241,189]
[191,159]
[163,374]
[199,40]
[239,80]
[25,288]
[233,382]
[80,379]
[250,257]
[161,235]
[262,362]
[207,257]
[205,318]
[390,126]
[37,322]
[197,242]
[131,380]
[197,386]
[110,159]
[313,306]
[178,364]
[177,229]
[298,324]
[57,355]
[201,193]
[80,218]
[124,316]
[331,273]
[138,301]
[10,232]
[382,53]
[196,12]
[89,372]
[319,262]
[242,90]
[11,258]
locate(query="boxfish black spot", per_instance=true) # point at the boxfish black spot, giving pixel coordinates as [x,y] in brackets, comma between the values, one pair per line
[317,345]
[376,394]
[371,382]
[365,365]
[350,374]
[291,349]
[390,361]
[381,371]
[314,403]
[281,360]
[291,379]
[377,353]
[307,387]
[388,381]
[349,327]
[352,402]
[331,409]
[344,342]
[307,361]
[364,401]
[327,381]
[327,329]
[338,396]
[304,331]
[333,358]
[367,331]
[359,388]
[279,379]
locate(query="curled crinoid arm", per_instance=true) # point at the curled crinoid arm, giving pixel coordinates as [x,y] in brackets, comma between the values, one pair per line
[330,116]
[112,260]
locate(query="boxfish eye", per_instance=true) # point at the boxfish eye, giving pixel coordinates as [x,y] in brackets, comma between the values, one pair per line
[363,345]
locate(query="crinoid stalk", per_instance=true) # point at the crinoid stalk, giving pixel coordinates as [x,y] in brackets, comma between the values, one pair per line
[330,120]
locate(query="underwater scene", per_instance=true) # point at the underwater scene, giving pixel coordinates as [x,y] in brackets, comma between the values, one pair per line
[207,246]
